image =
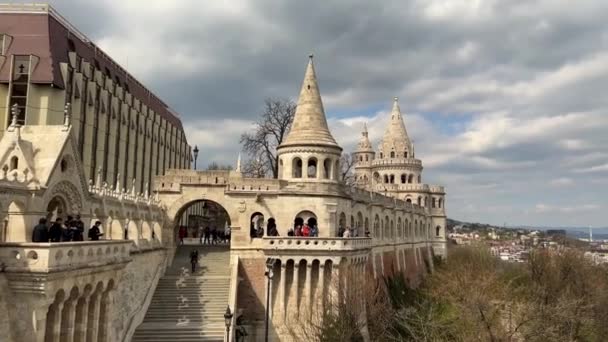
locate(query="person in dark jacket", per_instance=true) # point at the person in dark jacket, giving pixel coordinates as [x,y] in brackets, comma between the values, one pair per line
[94,232]
[77,229]
[41,232]
[56,230]
[194,260]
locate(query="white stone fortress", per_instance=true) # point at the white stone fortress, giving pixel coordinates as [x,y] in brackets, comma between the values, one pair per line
[82,136]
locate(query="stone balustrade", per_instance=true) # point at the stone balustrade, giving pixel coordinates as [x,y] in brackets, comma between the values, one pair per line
[437,189]
[397,161]
[105,191]
[316,243]
[401,187]
[56,257]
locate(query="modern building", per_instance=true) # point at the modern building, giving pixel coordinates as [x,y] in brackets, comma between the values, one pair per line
[122,129]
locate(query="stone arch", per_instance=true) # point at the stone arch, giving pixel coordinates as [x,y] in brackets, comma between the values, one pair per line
[132,231]
[157,234]
[366,226]
[14,163]
[359,224]
[410,178]
[296,167]
[440,202]
[146,231]
[256,221]
[342,220]
[392,179]
[306,216]
[56,208]
[17,229]
[180,206]
[53,317]
[70,193]
[337,170]
[311,167]
[327,168]
[115,230]
[403,178]
[385,179]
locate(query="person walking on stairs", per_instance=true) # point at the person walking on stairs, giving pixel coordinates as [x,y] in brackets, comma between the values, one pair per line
[194,260]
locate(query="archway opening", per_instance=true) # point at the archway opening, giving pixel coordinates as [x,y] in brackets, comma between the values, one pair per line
[256,225]
[309,218]
[202,222]
[57,208]
[311,170]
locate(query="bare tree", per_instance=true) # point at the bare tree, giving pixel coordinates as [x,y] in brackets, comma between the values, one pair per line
[214,166]
[269,133]
[254,168]
[347,162]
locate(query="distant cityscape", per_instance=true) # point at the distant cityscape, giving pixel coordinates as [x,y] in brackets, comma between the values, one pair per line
[514,244]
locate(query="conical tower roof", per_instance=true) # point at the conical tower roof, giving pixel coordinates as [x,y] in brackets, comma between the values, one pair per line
[309,125]
[395,137]
[364,144]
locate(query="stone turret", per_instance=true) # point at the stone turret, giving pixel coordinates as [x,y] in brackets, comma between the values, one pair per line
[363,157]
[309,152]
[396,143]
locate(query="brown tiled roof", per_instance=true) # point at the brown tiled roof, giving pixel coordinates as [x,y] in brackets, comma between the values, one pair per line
[41,34]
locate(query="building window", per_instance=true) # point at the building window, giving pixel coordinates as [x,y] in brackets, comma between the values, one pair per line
[392,154]
[19,87]
[14,163]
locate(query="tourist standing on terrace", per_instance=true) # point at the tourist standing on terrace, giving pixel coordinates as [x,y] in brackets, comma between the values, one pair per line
[56,231]
[78,226]
[346,233]
[314,231]
[94,232]
[306,230]
[41,232]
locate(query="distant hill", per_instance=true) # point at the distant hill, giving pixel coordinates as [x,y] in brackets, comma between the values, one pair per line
[599,233]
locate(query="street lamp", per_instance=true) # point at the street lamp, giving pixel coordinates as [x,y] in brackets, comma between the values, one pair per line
[195,155]
[228,319]
[269,275]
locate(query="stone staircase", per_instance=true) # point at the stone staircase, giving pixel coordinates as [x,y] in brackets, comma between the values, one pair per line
[189,307]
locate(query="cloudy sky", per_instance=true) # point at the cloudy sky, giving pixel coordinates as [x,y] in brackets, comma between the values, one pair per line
[505,99]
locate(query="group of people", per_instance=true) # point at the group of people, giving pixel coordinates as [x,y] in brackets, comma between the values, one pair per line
[209,236]
[348,232]
[304,230]
[59,231]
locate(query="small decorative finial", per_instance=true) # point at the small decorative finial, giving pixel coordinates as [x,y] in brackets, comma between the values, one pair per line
[67,112]
[310,56]
[15,113]
[238,163]
[396,99]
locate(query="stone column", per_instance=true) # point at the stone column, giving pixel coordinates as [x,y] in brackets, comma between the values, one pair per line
[93,319]
[293,293]
[56,324]
[82,318]
[281,295]
[68,320]
[321,287]
[308,288]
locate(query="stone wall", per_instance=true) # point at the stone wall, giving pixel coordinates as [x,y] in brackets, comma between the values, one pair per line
[134,292]
[5,326]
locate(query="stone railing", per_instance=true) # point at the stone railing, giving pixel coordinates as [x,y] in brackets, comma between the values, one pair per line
[62,256]
[254,184]
[401,187]
[104,190]
[316,244]
[436,189]
[397,161]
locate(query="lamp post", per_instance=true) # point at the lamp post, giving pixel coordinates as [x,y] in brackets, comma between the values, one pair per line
[228,319]
[269,275]
[195,151]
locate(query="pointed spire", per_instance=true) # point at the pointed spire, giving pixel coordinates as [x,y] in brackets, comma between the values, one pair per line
[364,144]
[309,125]
[396,140]
[117,188]
[238,163]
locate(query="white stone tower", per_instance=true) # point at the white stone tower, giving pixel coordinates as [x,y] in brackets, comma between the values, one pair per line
[309,153]
[395,162]
[363,158]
